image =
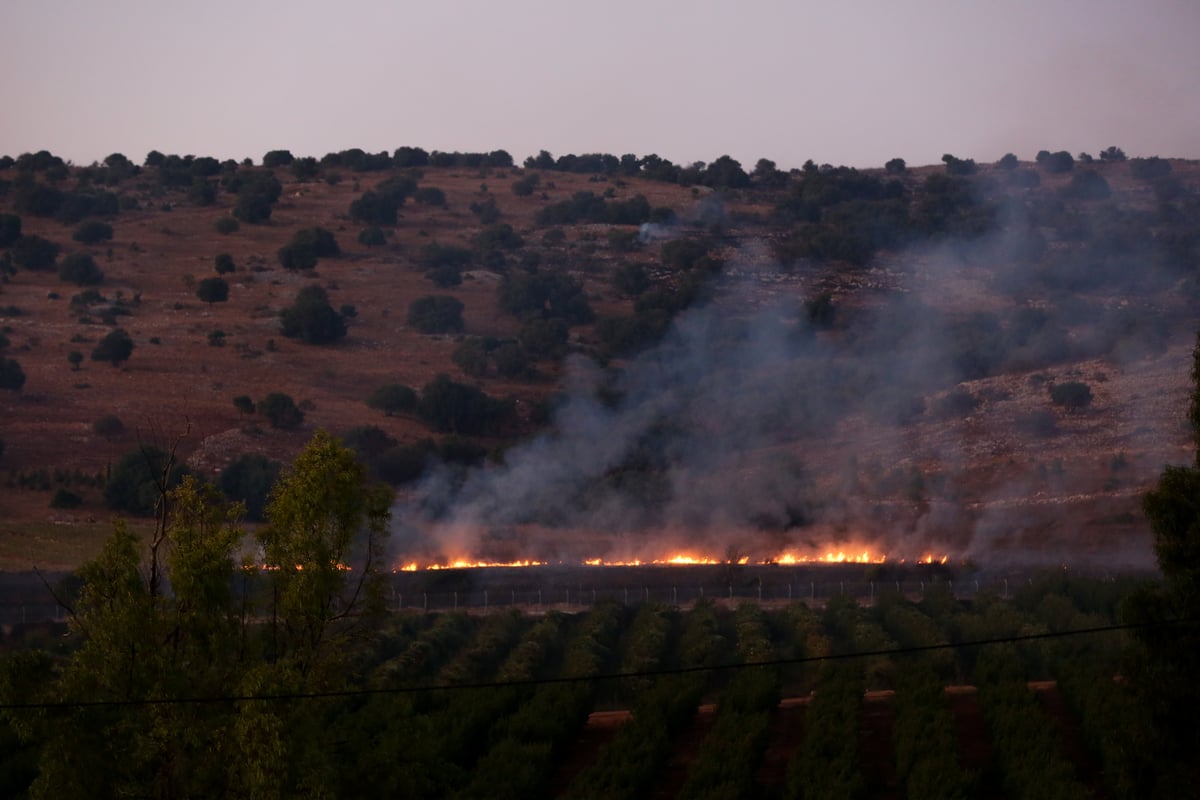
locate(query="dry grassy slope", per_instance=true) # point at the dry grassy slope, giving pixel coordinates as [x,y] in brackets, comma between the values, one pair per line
[185,385]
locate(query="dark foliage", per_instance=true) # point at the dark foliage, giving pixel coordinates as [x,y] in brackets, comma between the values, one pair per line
[114,348]
[1071,395]
[278,158]
[137,480]
[34,253]
[312,319]
[544,293]
[249,479]
[457,408]
[93,232]
[80,269]
[393,398]
[213,290]
[436,314]
[372,237]
[281,411]
[10,229]
[12,377]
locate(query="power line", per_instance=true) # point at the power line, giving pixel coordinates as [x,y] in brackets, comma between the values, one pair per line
[532,682]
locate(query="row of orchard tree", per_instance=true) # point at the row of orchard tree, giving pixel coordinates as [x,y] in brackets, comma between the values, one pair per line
[195,691]
[194,670]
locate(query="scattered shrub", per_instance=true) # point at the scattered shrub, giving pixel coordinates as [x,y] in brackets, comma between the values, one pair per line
[436,314]
[1072,395]
[12,377]
[312,319]
[80,269]
[227,225]
[281,411]
[393,398]
[114,348]
[372,237]
[108,426]
[213,290]
[93,232]
[64,500]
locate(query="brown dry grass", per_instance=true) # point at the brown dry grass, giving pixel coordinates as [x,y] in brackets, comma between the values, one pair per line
[182,385]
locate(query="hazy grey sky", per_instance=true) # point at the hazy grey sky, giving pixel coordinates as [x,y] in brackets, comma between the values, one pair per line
[838,81]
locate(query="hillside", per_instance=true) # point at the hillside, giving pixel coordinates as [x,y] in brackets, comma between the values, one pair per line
[858,359]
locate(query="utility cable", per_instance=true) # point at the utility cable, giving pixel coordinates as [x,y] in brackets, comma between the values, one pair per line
[533,682]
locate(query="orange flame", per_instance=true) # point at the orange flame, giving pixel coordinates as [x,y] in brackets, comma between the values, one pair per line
[850,556]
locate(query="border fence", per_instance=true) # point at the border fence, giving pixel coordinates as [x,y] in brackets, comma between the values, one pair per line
[27,598]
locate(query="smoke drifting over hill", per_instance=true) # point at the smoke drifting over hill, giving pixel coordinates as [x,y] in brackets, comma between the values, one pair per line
[751,430]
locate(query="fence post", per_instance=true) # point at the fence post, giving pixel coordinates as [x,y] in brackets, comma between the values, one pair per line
[485,599]
[425,601]
[626,595]
[812,590]
[456,600]
[675,595]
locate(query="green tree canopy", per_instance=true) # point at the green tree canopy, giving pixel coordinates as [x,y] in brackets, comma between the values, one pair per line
[281,410]
[115,347]
[1168,659]
[312,319]
[138,480]
[10,229]
[436,314]
[1071,395]
[93,232]
[323,516]
[457,408]
[393,398]
[80,269]
[34,253]
[248,479]
[212,290]
[12,377]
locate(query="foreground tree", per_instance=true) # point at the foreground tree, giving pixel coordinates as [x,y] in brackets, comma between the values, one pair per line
[140,642]
[1168,660]
[204,639]
[324,516]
